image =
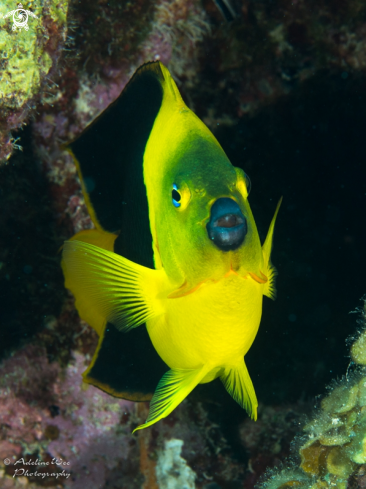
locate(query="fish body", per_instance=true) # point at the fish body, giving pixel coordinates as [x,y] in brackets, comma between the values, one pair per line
[201,300]
[202,334]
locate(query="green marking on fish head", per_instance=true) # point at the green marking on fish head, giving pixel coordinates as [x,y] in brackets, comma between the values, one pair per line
[199,176]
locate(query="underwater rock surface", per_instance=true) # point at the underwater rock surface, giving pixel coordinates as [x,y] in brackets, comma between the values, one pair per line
[101,45]
[47,416]
[77,56]
[29,58]
[333,449]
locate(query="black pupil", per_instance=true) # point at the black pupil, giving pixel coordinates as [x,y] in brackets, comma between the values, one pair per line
[175,195]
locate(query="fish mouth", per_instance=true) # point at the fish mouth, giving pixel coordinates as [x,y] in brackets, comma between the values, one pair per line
[227,226]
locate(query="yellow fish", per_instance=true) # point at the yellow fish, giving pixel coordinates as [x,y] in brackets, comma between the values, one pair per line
[175,261]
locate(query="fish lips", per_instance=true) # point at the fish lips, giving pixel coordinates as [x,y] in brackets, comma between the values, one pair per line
[227,226]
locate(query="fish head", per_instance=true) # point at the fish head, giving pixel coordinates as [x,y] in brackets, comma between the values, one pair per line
[200,219]
[207,229]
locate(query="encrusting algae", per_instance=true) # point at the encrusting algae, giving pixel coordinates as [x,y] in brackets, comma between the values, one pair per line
[31,42]
[335,448]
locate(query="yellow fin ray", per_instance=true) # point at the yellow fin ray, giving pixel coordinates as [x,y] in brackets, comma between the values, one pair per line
[270,287]
[96,237]
[172,389]
[122,292]
[269,270]
[106,241]
[239,385]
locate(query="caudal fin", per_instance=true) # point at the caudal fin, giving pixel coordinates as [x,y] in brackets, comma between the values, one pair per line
[239,385]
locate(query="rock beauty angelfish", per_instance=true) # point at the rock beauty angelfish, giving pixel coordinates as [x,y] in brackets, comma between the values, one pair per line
[173,275]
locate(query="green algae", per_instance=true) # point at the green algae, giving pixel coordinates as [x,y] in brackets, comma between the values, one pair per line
[26,57]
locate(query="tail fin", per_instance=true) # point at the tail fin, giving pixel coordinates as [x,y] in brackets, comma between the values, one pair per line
[172,389]
[239,385]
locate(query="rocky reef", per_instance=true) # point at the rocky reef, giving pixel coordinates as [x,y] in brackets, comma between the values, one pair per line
[29,60]
[77,56]
[48,419]
[333,447]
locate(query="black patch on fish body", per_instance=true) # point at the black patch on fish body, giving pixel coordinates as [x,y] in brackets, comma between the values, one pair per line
[110,158]
[109,155]
[127,364]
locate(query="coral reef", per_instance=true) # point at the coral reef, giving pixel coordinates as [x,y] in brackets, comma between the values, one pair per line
[105,42]
[75,59]
[29,57]
[270,49]
[333,451]
[46,414]
[172,471]
[268,440]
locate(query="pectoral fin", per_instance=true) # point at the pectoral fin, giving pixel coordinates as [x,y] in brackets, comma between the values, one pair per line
[112,287]
[269,270]
[96,237]
[239,385]
[173,387]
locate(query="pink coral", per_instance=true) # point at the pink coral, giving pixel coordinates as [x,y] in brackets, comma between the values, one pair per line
[45,410]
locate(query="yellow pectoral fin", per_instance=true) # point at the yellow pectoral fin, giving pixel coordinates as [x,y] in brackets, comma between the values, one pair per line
[111,287]
[96,237]
[269,270]
[106,241]
[239,385]
[173,387]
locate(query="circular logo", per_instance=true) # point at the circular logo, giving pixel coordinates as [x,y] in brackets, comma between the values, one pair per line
[22,17]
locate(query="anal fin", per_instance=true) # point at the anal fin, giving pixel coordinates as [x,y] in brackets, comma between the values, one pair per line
[239,385]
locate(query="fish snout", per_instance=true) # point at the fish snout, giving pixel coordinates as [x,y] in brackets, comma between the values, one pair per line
[227,226]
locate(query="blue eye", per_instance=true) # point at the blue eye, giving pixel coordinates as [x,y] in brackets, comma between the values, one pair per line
[176,197]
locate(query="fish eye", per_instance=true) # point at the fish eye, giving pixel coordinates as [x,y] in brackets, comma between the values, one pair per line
[248,183]
[176,197]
